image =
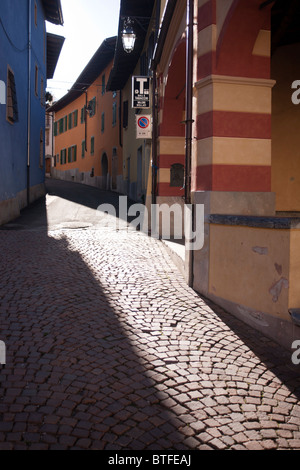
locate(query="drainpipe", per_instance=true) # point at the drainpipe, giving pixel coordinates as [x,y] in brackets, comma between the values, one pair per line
[154,109]
[29,101]
[154,138]
[189,124]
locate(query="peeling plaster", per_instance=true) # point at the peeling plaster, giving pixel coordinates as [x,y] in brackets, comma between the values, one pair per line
[276,288]
[278,268]
[261,250]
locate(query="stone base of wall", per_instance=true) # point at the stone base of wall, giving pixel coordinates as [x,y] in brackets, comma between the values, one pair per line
[10,209]
[78,176]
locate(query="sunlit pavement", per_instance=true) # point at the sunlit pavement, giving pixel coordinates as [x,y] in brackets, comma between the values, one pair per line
[107,348]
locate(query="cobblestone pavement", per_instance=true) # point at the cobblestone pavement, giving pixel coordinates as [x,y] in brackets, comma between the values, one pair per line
[107,348]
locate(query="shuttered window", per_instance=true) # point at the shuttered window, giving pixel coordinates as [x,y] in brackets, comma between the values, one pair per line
[11,98]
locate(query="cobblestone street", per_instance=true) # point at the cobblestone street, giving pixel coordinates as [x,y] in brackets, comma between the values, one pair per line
[107,348]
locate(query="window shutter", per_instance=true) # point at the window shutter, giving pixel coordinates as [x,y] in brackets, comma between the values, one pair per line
[75,118]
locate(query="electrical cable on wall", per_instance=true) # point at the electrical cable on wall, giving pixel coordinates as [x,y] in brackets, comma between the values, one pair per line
[10,40]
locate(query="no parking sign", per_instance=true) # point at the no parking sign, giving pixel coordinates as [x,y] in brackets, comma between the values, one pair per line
[143,126]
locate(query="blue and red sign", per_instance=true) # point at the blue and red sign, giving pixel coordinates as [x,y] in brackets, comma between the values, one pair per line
[144,126]
[143,122]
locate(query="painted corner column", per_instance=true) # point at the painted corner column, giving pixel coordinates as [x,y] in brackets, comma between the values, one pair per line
[234,95]
[231,171]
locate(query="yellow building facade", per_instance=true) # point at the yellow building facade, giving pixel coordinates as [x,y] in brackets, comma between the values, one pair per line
[86,127]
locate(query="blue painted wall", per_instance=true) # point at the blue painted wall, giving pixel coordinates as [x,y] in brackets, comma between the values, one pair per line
[14,40]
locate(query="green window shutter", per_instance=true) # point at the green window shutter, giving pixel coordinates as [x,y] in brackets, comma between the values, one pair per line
[92,145]
[61,126]
[75,152]
[55,129]
[69,154]
[70,121]
[82,115]
[66,123]
[75,118]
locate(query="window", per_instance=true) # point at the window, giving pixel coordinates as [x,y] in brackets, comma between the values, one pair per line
[70,120]
[177,175]
[72,154]
[92,105]
[92,145]
[102,122]
[61,126]
[63,156]
[103,84]
[75,118]
[65,123]
[11,98]
[82,115]
[114,114]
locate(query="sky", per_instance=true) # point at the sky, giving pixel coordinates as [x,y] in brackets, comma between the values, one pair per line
[86,24]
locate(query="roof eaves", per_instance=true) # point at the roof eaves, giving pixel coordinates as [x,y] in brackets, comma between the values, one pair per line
[102,57]
[53,11]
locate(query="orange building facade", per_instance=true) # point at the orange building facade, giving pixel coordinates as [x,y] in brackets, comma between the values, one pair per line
[86,128]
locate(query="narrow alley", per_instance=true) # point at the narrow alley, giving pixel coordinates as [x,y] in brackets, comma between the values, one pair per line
[107,347]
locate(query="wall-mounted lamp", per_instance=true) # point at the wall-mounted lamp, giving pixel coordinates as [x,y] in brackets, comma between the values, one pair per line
[128,36]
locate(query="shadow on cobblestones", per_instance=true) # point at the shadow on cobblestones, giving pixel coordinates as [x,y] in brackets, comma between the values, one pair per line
[72,378]
[107,348]
[274,359]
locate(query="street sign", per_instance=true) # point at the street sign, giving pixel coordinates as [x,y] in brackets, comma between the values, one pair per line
[143,127]
[140,92]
